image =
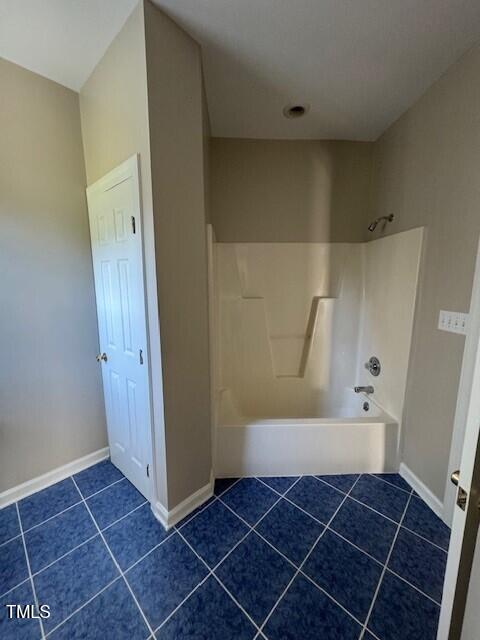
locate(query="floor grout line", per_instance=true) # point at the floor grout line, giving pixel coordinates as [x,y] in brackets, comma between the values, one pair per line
[180,604]
[215,497]
[115,579]
[119,568]
[285,497]
[231,486]
[64,555]
[5,594]
[251,529]
[326,527]
[408,491]
[211,573]
[95,493]
[344,493]
[424,539]
[379,513]
[112,524]
[275,490]
[280,496]
[339,535]
[82,499]
[410,584]
[364,504]
[304,511]
[35,526]
[330,597]
[30,571]
[204,507]
[19,535]
[377,590]
[145,555]
[303,563]
[367,506]
[218,498]
[229,593]
[371,633]
[88,540]
[85,604]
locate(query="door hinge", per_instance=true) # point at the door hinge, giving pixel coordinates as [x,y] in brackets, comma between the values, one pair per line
[140,356]
[148,470]
[134,229]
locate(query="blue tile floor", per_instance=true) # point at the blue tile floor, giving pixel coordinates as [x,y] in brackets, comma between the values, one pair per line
[333,557]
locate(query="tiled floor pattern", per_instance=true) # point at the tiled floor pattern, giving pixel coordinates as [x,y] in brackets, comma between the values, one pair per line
[334,557]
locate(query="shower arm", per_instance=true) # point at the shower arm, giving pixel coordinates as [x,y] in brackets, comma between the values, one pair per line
[373,225]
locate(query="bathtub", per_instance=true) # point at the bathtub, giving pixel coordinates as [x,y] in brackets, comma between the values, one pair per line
[348,440]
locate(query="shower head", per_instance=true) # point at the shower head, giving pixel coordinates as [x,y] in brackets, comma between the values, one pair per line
[373,225]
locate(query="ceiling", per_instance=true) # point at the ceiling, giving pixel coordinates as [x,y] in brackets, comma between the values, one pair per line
[60,39]
[358,64]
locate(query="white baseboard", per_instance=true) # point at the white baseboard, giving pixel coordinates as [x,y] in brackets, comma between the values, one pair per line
[170,518]
[423,491]
[51,477]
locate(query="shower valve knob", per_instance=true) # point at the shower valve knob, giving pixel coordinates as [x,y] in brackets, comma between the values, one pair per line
[373,366]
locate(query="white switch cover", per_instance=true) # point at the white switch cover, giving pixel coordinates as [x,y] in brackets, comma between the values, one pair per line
[453,321]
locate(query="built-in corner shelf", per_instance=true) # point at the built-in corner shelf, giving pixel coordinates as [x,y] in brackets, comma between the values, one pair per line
[306,339]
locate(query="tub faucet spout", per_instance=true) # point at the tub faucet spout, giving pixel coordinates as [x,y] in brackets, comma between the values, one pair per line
[367,389]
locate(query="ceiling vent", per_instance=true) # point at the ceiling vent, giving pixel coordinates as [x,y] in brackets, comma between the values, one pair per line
[295,111]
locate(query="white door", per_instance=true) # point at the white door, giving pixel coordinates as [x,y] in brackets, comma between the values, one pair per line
[466,511]
[116,235]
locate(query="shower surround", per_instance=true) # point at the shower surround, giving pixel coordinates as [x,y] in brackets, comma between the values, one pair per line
[294,324]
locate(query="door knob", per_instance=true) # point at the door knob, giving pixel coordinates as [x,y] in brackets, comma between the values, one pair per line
[102,356]
[455,477]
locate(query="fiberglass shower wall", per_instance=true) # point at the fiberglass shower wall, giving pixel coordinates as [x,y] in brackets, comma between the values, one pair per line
[296,321]
[288,326]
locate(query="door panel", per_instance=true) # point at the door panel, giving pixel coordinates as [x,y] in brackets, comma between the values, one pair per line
[115,223]
[126,306]
[465,515]
[471,622]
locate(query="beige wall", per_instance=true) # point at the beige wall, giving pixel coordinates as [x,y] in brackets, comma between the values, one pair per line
[135,103]
[113,104]
[176,139]
[427,173]
[114,111]
[50,387]
[206,153]
[289,191]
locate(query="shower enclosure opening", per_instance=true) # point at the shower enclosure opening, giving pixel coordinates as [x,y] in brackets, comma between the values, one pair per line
[294,326]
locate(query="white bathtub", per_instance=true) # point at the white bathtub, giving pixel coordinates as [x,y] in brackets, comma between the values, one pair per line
[348,441]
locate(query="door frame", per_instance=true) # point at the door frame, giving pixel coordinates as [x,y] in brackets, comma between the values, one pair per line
[465,438]
[464,391]
[130,168]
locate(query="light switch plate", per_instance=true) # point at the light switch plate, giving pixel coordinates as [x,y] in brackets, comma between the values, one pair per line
[453,321]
